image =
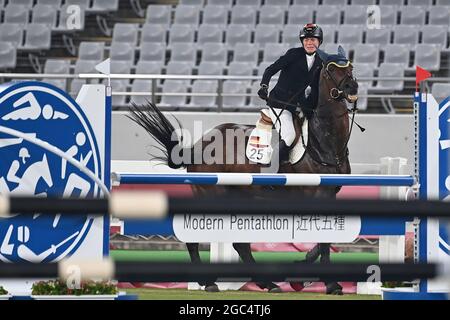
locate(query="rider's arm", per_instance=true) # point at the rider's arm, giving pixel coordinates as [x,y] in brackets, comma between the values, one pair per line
[278,65]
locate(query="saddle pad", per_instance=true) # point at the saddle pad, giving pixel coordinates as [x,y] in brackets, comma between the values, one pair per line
[259,149]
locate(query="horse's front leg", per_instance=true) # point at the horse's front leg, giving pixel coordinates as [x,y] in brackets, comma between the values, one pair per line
[245,252]
[194,253]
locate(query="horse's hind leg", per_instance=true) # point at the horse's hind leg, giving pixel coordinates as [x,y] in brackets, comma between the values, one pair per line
[245,253]
[194,253]
[333,288]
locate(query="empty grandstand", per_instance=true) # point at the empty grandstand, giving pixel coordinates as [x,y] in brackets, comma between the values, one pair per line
[223,38]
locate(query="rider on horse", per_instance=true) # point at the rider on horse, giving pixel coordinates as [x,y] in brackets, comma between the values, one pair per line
[297,86]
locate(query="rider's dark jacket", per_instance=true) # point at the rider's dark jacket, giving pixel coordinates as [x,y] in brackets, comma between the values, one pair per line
[293,80]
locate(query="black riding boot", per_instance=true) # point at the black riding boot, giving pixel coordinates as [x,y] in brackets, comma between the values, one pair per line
[283,152]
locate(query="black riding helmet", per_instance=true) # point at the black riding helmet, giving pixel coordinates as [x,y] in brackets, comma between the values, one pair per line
[311,30]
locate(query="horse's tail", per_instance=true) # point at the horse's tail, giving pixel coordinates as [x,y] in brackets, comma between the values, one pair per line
[158,126]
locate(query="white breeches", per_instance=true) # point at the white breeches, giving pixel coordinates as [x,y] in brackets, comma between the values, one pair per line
[287,125]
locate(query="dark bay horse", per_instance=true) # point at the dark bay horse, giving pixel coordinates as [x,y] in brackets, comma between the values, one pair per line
[326,151]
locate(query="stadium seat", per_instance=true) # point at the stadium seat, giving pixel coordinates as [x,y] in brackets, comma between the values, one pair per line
[390,70]
[237,34]
[210,33]
[255,3]
[306,2]
[245,15]
[141,86]
[57,66]
[119,86]
[210,68]
[54,3]
[75,86]
[266,34]
[214,52]
[159,14]
[440,91]
[155,33]
[185,14]
[443,2]
[16,14]
[397,53]
[363,70]
[91,51]
[439,15]
[392,2]
[184,52]
[83,4]
[105,6]
[350,34]
[378,36]
[125,33]
[412,15]
[121,67]
[85,66]
[192,2]
[328,15]
[428,56]
[273,51]
[149,67]
[363,2]
[355,15]
[272,15]
[420,2]
[233,87]
[282,3]
[334,2]
[12,33]
[122,52]
[406,35]
[255,100]
[329,32]
[237,68]
[388,15]
[153,52]
[298,15]
[262,67]
[363,88]
[216,15]
[227,3]
[245,52]
[181,33]
[25,3]
[37,37]
[178,68]
[434,35]
[205,87]
[367,53]
[45,14]
[8,55]
[174,86]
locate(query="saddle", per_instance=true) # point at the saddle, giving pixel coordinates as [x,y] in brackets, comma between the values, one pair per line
[259,147]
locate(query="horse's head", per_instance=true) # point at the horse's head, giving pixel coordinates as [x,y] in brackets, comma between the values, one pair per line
[338,72]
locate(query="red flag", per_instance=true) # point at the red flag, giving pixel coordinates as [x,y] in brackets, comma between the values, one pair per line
[421,74]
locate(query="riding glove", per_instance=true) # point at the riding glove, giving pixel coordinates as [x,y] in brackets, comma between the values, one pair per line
[263,92]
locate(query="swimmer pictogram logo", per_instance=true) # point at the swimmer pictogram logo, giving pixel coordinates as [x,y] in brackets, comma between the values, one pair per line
[41,111]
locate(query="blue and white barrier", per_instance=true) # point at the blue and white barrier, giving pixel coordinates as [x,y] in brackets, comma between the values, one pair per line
[247,179]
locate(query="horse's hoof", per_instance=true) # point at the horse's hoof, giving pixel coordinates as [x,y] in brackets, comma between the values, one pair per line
[334,289]
[297,286]
[275,290]
[212,288]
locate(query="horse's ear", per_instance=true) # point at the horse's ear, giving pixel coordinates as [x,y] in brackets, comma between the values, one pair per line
[322,55]
[341,52]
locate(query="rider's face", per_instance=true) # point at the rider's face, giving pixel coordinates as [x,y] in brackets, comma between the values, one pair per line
[310,44]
